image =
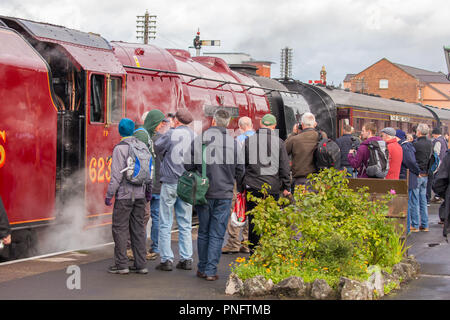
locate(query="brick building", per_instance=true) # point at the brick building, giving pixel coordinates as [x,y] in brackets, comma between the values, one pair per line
[394,80]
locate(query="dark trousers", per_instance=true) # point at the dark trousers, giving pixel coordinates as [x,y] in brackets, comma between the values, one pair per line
[429,184]
[128,218]
[442,211]
[253,238]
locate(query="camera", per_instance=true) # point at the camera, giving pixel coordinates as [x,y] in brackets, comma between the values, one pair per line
[355,143]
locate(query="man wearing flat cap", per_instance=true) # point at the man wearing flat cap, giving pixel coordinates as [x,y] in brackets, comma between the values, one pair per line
[271,168]
[395,153]
[171,147]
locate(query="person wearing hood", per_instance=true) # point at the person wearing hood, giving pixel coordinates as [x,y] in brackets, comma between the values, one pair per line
[395,153]
[409,163]
[359,159]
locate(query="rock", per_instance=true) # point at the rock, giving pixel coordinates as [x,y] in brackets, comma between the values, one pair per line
[398,272]
[413,262]
[290,287]
[234,285]
[353,290]
[320,290]
[404,270]
[257,286]
[388,278]
[376,281]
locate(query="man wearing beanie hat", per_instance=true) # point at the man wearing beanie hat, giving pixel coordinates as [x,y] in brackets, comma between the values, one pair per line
[395,153]
[129,207]
[409,162]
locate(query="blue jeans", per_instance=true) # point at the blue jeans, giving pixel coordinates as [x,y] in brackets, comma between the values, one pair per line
[213,220]
[413,206]
[183,213]
[421,210]
[154,213]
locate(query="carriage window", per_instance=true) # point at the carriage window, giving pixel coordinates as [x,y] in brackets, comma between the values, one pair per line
[115,100]
[97,98]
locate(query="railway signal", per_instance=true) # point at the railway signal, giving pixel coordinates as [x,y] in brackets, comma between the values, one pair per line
[146,27]
[199,43]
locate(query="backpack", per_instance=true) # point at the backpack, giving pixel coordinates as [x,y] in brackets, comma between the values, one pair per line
[139,162]
[327,153]
[434,162]
[378,164]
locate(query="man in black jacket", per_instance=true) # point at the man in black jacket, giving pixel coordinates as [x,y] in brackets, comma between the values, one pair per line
[423,148]
[346,142]
[266,161]
[222,170]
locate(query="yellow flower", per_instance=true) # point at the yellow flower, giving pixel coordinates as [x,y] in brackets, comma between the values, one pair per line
[315,269]
[267,270]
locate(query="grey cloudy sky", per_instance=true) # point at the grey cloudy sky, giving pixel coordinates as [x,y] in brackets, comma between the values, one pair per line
[344,35]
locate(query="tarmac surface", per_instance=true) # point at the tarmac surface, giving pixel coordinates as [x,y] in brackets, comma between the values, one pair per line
[46,278]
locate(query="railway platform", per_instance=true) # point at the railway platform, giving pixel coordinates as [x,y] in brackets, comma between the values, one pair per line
[46,278]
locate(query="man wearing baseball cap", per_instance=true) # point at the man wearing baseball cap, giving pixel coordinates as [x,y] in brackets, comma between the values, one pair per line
[272,168]
[395,152]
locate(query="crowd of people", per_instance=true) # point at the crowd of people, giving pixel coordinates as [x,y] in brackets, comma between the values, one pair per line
[244,164]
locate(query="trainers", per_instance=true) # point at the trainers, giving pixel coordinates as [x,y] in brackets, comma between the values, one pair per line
[116,270]
[424,229]
[441,222]
[130,255]
[185,264]
[133,269]
[226,250]
[244,250]
[165,266]
[212,278]
[414,229]
[151,255]
[201,275]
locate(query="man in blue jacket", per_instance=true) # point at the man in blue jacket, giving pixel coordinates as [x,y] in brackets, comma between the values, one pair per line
[409,162]
[170,148]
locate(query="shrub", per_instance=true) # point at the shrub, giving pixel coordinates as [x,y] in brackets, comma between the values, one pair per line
[327,231]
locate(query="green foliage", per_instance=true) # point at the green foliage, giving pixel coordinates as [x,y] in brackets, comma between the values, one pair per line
[327,231]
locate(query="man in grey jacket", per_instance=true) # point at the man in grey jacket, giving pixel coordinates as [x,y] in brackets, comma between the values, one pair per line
[129,208]
[170,148]
[223,170]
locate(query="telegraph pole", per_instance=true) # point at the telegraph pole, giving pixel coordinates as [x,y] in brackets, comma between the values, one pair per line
[146,27]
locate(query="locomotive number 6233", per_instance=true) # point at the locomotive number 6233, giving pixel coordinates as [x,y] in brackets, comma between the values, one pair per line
[100,170]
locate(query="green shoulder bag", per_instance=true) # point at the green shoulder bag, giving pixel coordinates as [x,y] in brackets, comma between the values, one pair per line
[192,186]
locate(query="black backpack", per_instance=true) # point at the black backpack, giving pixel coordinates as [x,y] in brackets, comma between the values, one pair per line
[378,164]
[327,153]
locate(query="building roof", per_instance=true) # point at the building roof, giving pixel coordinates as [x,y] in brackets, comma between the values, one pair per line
[349,77]
[424,75]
